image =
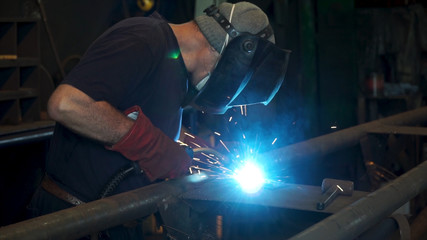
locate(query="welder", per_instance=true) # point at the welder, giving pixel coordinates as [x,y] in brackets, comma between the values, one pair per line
[118,112]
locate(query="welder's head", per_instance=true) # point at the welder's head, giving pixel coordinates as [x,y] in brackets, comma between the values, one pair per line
[250,69]
[243,16]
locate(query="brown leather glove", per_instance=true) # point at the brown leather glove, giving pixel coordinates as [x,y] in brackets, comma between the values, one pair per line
[157,155]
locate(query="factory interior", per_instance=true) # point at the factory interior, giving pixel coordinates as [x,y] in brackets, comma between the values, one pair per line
[346,130]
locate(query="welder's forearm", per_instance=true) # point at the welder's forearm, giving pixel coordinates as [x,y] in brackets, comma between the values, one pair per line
[96,120]
[101,122]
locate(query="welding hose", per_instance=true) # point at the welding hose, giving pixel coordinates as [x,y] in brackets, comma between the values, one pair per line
[117,178]
[121,174]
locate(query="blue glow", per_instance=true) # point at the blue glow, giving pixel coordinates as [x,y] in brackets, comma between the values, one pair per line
[250,177]
[197,177]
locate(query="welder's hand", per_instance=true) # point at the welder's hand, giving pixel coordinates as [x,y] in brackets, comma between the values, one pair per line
[157,155]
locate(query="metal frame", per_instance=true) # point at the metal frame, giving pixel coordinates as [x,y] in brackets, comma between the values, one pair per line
[349,222]
[359,216]
[329,143]
[99,215]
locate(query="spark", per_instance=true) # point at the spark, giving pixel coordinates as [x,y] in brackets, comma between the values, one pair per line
[200,168]
[250,177]
[236,165]
[211,157]
[181,143]
[243,110]
[189,135]
[225,169]
[223,144]
[334,127]
[195,144]
[216,165]
[274,141]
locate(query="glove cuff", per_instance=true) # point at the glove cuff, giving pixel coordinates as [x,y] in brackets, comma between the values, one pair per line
[157,155]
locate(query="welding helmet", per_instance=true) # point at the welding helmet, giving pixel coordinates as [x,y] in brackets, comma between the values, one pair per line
[250,70]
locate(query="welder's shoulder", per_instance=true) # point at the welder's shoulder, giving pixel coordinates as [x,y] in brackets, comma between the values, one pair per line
[143,29]
[139,25]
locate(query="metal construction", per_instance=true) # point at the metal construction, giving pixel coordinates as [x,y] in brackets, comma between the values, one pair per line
[26,133]
[98,215]
[320,146]
[347,220]
[359,216]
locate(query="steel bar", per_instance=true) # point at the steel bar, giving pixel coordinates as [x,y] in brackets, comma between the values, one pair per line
[382,230]
[99,215]
[322,145]
[277,195]
[25,132]
[356,218]
[402,130]
[38,135]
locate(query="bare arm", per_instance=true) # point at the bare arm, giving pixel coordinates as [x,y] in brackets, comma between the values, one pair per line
[79,112]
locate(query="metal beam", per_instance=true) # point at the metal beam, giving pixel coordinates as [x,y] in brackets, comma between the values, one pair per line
[400,130]
[359,216]
[329,143]
[25,132]
[102,214]
[99,215]
[278,195]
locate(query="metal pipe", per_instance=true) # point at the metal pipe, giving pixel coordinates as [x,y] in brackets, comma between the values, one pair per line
[99,215]
[112,211]
[322,145]
[26,132]
[382,230]
[26,137]
[356,218]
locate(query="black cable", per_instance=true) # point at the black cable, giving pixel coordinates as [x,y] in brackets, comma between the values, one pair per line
[117,179]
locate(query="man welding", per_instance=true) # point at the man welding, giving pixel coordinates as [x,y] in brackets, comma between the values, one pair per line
[121,106]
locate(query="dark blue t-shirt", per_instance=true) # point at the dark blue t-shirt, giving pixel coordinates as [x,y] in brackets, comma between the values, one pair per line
[135,62]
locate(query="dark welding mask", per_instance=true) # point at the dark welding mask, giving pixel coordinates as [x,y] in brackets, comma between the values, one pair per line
[250,70]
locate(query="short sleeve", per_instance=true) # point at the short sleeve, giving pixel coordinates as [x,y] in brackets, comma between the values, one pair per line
[111,66]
